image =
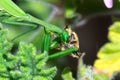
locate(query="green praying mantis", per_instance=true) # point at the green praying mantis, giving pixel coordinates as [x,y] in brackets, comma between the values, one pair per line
[64,40]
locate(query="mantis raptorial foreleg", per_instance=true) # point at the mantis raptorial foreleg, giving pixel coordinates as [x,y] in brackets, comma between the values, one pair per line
[46,43]
[63,53]
[46,48]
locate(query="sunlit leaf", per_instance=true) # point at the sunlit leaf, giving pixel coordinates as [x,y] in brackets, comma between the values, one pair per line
[67,74]
[109,54]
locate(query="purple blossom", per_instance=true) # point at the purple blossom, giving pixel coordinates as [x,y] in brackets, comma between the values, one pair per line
[108,3]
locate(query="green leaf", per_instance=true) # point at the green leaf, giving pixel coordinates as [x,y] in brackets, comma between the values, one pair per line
[26,64]
[3,78]
[5,46]
[11,8]
[114,32]
[3,68]
[67,74]
[84,72]
[33,64]
[109,54]
[101,77]
[16,74]
[88,72]
[6,61]
[48,74]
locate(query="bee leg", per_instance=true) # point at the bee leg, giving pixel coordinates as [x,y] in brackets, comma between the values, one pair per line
[76,55]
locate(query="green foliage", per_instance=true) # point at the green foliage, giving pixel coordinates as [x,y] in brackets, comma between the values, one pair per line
[84,72]
[109,54]
[26,64]
[67,74]
[101,76]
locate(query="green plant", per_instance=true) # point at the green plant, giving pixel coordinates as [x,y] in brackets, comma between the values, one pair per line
[84,72]
[26,64]
[109,55]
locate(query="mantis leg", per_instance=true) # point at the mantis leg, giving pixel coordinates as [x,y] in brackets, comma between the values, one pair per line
[63,53]
[24,33]
[46,48]
[46,44]
[33,27]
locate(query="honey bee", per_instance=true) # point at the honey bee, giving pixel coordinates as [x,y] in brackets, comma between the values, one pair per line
[73,41]
[68,39]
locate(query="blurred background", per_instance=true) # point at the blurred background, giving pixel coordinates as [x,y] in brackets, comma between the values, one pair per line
[90,19]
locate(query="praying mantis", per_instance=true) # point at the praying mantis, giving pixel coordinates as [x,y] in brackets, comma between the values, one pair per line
[64,40]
